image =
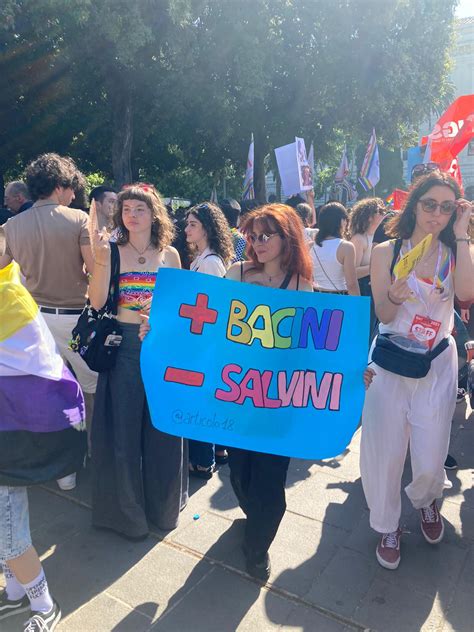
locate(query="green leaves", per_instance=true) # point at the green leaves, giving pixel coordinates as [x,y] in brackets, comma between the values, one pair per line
[118,82]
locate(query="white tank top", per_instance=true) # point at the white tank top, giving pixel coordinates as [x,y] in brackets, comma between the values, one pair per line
[328,273]
[425,301]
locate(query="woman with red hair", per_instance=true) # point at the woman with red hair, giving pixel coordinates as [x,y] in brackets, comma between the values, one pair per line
[278,258]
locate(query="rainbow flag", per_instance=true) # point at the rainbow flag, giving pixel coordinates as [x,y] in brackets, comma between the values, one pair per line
[389,199]
[370,171]
[42,430]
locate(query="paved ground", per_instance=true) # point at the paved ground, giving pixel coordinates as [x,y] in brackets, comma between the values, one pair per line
[325,576]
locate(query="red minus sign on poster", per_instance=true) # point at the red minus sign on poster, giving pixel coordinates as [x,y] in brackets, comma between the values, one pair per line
[183,376]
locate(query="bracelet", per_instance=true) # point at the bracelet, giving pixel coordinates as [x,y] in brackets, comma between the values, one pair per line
[466,239]
[97,263]
[392,301]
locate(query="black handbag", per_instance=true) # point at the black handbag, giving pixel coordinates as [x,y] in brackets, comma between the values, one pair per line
[393,358]
[98,334]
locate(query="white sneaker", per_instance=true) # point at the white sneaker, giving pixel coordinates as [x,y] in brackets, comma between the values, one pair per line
[67,482]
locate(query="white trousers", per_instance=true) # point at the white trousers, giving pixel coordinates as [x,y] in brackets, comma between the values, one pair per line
[399,411]
[61,326]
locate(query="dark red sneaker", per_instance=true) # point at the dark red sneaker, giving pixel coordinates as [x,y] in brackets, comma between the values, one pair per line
[432,525]
[388,550]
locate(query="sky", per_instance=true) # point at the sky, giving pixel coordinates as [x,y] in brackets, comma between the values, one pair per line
[465,9]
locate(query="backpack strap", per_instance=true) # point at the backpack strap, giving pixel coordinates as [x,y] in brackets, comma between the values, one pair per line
[397,246]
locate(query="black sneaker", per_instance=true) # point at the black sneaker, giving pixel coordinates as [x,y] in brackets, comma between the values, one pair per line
[9,607]
[259,568]
[450,463]
[44,621]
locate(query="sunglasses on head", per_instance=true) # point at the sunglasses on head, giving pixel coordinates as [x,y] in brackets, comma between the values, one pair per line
[423,169]
[430,206]
[262,238]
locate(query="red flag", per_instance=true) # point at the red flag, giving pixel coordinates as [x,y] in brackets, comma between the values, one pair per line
[399,197]
[444,136]
[454,170]
[465,134]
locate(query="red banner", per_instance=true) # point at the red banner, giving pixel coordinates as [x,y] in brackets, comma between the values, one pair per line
[452,132]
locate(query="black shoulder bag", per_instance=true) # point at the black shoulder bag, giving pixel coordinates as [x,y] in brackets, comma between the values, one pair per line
[393,358]
[98,334]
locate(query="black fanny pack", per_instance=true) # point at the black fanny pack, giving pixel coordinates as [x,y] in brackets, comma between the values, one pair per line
[393,358]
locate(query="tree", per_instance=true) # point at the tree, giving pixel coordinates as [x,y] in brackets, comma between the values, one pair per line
[178,86]
[280,68]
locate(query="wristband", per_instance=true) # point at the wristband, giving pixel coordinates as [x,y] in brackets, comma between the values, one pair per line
[97,263]
[392,301]
[466,239]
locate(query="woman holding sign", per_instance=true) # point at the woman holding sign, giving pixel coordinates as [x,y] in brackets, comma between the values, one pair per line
[278,258]
[412,397]
[139,473]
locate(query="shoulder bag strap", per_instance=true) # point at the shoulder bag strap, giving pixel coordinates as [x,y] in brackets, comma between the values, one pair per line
[211,254]
[112,301]
[439,348]
[322,268]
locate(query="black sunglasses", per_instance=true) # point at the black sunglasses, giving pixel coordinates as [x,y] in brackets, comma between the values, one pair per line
[423,169]
[430,206]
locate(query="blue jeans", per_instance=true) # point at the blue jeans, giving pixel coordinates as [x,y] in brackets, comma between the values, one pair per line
[15,536]
[202,454]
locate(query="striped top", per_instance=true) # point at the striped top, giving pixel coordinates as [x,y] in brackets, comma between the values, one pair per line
[135,288]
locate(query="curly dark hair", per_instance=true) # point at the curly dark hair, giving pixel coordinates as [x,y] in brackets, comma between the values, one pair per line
[49,171]
[403,224]
[217,229]
[362,214]
[162,229]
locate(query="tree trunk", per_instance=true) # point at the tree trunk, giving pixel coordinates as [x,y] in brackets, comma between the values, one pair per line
[122,113]
[259,168]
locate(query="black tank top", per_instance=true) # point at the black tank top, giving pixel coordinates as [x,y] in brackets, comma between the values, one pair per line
[284,283]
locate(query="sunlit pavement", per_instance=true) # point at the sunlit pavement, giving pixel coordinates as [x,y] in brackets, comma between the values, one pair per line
[324,573]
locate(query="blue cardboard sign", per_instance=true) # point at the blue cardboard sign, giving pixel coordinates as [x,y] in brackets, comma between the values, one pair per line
[246,366]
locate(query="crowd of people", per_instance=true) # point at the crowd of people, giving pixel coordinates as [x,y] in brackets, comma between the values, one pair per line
[140,474]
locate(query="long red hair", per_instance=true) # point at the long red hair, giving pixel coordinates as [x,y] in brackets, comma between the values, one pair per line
[281,219]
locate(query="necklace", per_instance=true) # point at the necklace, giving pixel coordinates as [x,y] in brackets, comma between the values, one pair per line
[275,276]
[141,258]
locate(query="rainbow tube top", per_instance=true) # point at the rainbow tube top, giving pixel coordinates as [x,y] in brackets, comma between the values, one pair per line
[135,288]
